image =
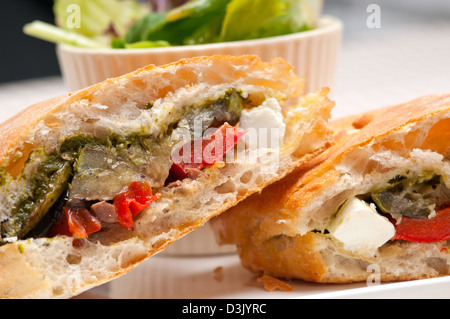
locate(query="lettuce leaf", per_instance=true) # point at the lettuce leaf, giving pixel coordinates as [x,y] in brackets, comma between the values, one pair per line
[146,26]
[49,32]
[118,43]
[197,8]
[197,21]
[130,24]
[254,19]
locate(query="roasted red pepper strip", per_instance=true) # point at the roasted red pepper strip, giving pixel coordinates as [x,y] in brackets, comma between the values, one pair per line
[78,223]
[425,230]
[61,228]
[205,152]
[132,201]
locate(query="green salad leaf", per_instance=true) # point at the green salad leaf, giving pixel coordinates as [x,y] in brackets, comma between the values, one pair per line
[118,43]
[145,26]
[197,21]
[207,33]
[254,19]
[177,32]
[88,23]
[50,33]
[129,24]
[197,8]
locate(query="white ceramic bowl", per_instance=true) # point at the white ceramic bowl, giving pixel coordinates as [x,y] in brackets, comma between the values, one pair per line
[313,54]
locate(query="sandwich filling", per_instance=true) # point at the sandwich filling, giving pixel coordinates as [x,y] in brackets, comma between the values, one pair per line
[410,207]
[89,181]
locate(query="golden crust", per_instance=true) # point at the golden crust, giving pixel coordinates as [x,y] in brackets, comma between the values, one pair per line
[384,122]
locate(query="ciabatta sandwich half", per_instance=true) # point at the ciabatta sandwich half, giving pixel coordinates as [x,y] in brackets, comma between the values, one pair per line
[377,203]
[94,182]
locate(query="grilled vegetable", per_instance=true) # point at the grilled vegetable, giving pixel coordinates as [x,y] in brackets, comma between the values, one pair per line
[416,198]
[49,180]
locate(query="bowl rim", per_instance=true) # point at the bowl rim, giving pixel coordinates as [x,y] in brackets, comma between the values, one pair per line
[326,24]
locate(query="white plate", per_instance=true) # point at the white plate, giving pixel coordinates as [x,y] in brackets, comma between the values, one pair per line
[436,288]
[164,277]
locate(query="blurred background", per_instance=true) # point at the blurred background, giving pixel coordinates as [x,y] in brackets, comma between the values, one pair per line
[21,56]
[24,57]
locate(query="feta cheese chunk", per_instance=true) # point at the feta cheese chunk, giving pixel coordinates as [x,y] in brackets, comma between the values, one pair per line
[360,228]
[264,124]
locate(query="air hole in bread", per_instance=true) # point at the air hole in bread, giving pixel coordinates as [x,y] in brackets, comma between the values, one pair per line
[259,179]
[242,191]
[226,188]
[73,259]
[247,177]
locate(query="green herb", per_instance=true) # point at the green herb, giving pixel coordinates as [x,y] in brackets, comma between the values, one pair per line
[4,177]
[21,248]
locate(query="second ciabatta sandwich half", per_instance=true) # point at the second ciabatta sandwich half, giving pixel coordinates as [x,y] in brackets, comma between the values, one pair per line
[376,203]
[94,182]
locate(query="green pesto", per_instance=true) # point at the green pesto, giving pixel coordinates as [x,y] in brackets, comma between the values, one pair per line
[4,177]
[21,248]
[74,144]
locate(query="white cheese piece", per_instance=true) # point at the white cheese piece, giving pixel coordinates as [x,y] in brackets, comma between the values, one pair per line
[360,228]
[264,124]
